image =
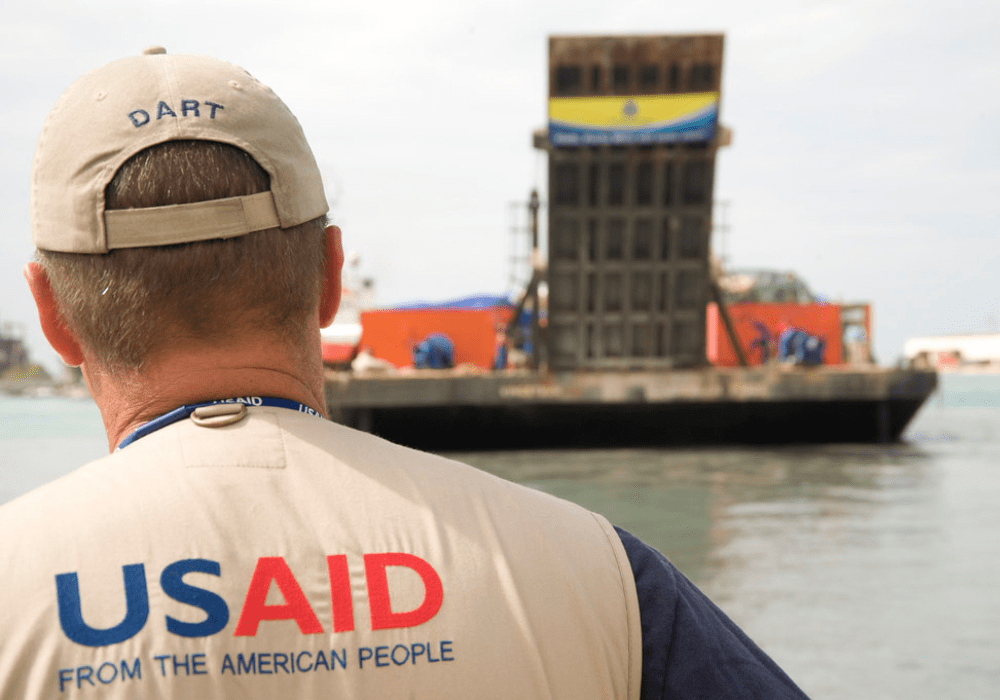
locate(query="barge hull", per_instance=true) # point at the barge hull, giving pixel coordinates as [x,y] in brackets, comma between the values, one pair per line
[638,425]
[453,411]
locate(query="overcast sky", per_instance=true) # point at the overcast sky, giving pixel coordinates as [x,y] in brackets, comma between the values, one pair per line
[866,155]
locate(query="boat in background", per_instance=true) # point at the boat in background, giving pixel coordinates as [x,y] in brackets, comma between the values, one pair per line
[340,340]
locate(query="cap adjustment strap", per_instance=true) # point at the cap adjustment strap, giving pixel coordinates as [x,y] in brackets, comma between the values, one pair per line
[183,223]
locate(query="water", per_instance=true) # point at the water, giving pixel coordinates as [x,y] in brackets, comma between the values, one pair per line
[42,439]
[865,571]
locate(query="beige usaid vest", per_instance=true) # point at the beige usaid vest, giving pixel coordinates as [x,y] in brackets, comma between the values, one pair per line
[289,557]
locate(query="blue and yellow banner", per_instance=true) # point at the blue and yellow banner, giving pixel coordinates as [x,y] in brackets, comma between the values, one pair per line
[601,121]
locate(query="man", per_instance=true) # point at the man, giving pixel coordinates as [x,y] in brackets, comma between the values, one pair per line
[236,545]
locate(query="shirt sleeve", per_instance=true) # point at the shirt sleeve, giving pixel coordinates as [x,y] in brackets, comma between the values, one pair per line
[690,648]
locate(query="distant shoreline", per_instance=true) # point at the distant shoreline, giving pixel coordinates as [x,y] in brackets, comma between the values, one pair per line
[43,387]
[992,368]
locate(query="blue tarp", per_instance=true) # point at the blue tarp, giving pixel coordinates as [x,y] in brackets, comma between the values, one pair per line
[476,301]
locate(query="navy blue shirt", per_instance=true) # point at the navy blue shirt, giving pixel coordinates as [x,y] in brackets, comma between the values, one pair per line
[690,648]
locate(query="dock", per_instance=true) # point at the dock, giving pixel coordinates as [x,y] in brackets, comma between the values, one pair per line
[464,409]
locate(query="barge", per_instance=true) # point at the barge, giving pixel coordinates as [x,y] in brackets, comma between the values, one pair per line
[628,335]
[461,409]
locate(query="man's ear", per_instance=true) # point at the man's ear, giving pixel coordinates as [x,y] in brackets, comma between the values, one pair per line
[60,337]
[330,298]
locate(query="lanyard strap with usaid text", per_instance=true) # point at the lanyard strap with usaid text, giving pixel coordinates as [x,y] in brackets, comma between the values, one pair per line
[215,413]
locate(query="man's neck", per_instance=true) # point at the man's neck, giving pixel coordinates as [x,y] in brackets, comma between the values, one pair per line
[252,367]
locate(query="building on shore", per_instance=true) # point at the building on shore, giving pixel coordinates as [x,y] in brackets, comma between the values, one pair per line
[955,353]
[13,353]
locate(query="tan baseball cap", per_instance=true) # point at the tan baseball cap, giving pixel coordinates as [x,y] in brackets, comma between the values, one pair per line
[112,113]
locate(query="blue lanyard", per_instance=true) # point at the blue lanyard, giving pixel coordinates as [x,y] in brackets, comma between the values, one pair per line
[187,409]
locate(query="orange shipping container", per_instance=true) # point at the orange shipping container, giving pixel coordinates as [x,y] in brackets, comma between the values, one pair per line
[391,334]
[757,325]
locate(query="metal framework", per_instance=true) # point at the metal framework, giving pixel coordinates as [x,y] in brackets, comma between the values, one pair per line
[630,222]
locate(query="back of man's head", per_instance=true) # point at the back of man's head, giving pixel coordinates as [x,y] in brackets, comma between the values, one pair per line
[175,199]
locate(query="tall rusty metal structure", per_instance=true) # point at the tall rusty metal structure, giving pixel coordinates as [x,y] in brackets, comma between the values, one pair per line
[632,137]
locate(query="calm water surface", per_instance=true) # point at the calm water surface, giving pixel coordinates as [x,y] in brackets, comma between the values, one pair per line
[865,571]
